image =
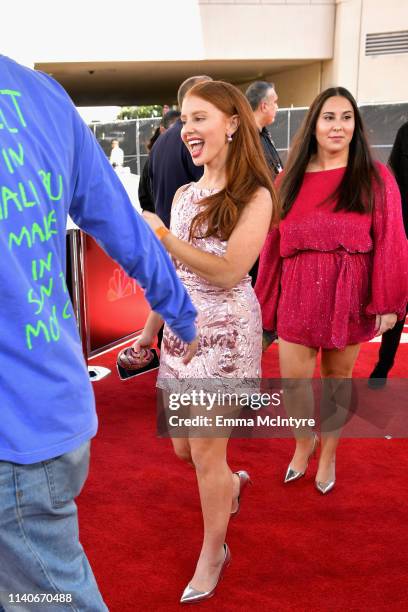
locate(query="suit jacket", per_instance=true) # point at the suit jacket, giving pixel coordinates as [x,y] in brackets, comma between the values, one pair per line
[398,163]
[170,167]
[271,154]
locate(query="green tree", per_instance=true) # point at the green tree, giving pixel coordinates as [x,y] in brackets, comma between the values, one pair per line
[140,112]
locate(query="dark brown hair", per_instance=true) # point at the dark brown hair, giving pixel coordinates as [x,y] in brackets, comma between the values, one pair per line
[355,192]
[246,168]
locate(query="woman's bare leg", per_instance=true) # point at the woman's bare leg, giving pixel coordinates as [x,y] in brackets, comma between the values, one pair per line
[182,449]
[215,484]
[338,365]
[297,364]
[181,445]
[219,490]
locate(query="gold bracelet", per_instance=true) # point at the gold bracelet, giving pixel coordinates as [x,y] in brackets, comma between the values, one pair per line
[161,232]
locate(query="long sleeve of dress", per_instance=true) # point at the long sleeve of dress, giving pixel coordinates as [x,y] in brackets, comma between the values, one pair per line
[389,289]
[267,286]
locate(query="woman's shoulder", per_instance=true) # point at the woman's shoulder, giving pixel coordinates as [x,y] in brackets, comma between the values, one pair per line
[261,196]
[386,176]
[383,171]
[262,192]
[385,187]
[259,206]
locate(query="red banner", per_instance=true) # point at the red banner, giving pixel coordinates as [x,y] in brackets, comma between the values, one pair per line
[115,304]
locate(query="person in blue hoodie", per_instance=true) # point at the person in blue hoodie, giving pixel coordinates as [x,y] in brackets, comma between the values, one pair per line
[51,166]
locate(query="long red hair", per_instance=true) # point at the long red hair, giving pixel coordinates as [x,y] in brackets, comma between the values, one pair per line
[246,168]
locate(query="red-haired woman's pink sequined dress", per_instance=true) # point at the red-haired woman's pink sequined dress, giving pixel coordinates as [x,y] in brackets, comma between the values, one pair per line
[228,322]
[324,275]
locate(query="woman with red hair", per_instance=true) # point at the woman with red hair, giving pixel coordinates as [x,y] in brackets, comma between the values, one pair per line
[218,227]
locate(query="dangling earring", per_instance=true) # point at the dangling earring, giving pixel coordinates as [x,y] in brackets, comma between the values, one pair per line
[229,137]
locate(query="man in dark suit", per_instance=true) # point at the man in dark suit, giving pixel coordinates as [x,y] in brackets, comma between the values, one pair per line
[398,163]
[264,102]
[146,200]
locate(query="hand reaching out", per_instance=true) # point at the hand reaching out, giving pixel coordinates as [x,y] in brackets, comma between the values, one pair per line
[152,220]
[384,322]
[191,351]
[145,341]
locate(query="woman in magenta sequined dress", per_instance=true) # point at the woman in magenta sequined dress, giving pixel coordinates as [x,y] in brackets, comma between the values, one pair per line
[218,227]
[335,273]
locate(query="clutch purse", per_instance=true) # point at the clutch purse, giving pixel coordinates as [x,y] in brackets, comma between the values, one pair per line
[129,359]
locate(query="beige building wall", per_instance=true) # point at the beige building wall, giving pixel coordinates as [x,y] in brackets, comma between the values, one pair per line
[343,68]
[383,78]
[145,47]
[101,30]
[371,78]
[138,53]
[260,29]
[154,30]
[298,86]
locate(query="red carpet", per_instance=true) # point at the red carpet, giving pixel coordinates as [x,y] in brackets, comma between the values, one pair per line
[292,548]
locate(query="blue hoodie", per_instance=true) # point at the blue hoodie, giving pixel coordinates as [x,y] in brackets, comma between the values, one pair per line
[51,166]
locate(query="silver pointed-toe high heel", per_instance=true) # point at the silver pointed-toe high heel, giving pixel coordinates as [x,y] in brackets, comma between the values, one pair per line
[325,487]
[244,480]
[328,485]
[292,474]
[191,595]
